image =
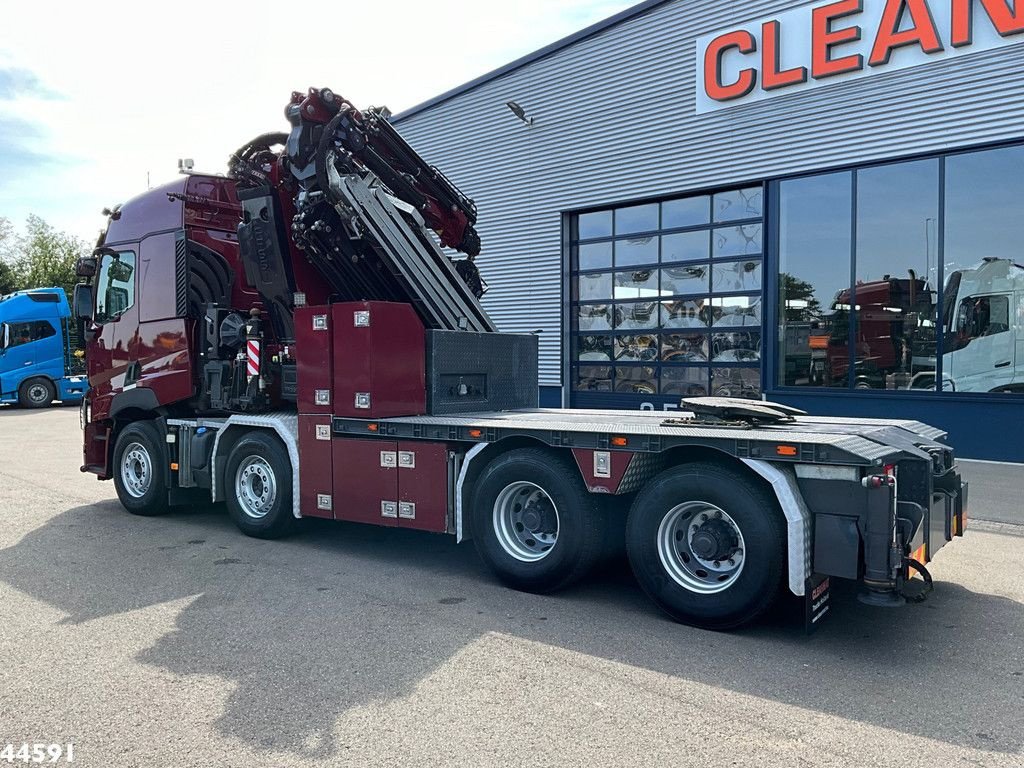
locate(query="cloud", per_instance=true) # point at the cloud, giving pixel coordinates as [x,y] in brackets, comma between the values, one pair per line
[17,83]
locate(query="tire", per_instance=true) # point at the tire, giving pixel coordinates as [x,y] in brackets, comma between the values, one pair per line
[139,477]
[717,513]
[517,544]
[36,393]
[258,487]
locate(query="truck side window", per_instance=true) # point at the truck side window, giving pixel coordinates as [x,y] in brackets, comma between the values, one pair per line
[115,287]
[26,333]
[981,316]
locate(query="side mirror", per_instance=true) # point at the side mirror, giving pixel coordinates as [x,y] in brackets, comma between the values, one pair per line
[85,266]
[83,301]
[5,337]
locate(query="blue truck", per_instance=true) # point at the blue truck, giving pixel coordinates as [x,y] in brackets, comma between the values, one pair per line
[40,359]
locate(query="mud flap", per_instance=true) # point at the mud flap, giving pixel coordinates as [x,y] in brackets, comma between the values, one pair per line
[817,601]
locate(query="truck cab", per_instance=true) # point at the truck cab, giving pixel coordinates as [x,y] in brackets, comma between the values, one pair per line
[38,361]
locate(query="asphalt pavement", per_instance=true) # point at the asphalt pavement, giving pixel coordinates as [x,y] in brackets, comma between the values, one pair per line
[176,641]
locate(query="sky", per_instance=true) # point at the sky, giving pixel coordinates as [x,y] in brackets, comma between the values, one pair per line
[93,97]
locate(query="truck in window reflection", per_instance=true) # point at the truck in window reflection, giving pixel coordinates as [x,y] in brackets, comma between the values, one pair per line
[983,322]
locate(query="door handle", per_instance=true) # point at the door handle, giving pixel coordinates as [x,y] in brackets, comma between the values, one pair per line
[29,362]
[1003,365]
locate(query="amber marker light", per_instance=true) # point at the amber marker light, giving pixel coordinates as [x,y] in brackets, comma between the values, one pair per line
[476,433]
[372,427]
[620,442]
[786,450]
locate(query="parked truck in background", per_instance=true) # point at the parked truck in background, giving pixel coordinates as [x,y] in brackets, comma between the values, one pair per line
[291,339]
[40,359]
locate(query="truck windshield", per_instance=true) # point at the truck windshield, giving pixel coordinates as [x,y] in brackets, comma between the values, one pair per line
[115,287]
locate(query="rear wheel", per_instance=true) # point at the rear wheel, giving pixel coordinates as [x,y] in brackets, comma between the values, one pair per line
[36,393]
[534,523]
[707,544]
[258,486]
[139,461]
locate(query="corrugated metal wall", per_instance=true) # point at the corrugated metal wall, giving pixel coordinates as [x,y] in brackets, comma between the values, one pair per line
[615,120]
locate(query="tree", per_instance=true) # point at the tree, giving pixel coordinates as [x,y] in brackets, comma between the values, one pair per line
[8,277]
[47,257]
[799,302]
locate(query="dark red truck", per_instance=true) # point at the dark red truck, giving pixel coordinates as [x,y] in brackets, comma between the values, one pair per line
[291,339]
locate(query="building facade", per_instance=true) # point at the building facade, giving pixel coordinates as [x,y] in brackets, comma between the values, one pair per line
[819,203]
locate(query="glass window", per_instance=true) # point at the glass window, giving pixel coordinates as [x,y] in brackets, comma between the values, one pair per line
[594,348]
[684,348]
[685,313]
[637,218]
[26,333]
[739,347]
[594,287]
[738,205]
[115,287]
[636,380]
[736,382]
[636,250]
[594,317]
[595,256]
[744,240]
[685,246]
[984,204]
[638,284]
[593,225]
[735,276]
[679,281]
[897,270]
[815,233]
[686,382]
[640,315]
[640,349]
[736,311]
[594,378]
[688,212]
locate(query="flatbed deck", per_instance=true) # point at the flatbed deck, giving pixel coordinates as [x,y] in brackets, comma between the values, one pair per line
[857,442]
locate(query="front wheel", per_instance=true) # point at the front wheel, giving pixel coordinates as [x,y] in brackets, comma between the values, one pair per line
[534,523]
[707,544]
[139,461]
[258,487]
[36,393]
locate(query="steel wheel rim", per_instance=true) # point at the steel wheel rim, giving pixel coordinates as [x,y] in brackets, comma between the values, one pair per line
[136,470]
[37,393]
[255,487]
[682,563]
[526,521]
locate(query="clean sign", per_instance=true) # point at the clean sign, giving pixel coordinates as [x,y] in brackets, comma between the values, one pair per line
[828,42]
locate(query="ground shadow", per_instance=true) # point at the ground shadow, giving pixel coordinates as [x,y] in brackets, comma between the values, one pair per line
[342,615]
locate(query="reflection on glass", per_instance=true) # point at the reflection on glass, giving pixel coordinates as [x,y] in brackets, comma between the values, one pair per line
[596,287]
[688,212]
[641,349]
[688,382]
[594,348]
[595,255]
[638,284]
[744,240]
[685,246]
[684,348]
[736,382]
[594,317]
[734,276]
[637,218]
[815,221]
[637,250]
[591,225]
[897,266]
[676,281]
[684,313]
[984,284]
[736,311]
[739,347]
[641,315]
[637,380]
[741,204]
[594,378]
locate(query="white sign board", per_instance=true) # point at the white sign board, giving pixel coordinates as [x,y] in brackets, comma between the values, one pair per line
[828,42]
